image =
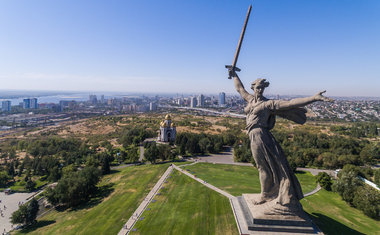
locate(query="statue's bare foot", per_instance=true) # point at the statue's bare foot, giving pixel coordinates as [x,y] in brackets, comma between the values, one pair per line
[260,200]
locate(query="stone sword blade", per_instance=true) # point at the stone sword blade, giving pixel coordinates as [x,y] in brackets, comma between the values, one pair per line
[233,66]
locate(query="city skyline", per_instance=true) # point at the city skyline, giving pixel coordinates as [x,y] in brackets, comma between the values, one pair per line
[182,47]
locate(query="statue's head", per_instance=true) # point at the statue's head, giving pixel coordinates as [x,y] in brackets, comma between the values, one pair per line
[259,85]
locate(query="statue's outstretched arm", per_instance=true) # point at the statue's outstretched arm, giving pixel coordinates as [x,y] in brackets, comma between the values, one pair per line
[240,88]
[300,102]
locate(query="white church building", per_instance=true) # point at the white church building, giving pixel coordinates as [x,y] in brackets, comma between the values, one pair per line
[167,130]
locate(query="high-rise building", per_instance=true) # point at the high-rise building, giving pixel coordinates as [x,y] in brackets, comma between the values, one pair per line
[152,106]
[102,99]
[6,106]
[193,102]
[26,104]
[201,100]
[222,99]
[93,100]
[33,103]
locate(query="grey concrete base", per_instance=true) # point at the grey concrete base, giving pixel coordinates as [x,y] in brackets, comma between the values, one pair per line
[256,223]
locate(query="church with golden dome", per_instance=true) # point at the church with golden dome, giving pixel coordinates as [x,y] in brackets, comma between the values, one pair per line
[167,130]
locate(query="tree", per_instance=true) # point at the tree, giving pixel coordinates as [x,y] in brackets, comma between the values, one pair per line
[133,154]
[11,169]
[377,177]
[203,144]
[105,163]
[346,185]
[324,180]
[75,188]
[151,153]
[367,200]
[4,178]
[330,160]
[69,169]
[54,174]
[30,185]
[26,214]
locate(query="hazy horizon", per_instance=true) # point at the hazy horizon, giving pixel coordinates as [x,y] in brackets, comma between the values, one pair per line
[14,94]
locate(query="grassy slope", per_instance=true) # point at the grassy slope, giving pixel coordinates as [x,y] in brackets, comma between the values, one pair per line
[327,209]
[335,216]
[307,181]
[230,178]
[240,179]
[129,187]
[185,206]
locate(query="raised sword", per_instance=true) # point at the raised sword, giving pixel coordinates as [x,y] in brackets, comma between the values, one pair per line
[233,66]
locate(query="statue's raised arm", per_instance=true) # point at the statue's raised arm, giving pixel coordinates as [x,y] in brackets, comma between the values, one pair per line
[240,87]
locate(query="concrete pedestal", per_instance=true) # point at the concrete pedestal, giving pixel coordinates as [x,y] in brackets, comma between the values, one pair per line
[274,218]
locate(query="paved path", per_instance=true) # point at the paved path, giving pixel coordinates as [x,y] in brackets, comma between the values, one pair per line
[123,166]
[141,153]
[225,157]
[314,191]
[138,212]
[373,185]
[316,171]
[11,204]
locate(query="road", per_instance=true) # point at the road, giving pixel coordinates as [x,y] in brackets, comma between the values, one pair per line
[316,171]
[11,203]
[225,157]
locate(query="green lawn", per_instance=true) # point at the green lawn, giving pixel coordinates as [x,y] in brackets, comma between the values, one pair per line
[230,178]
[185,206]
[327,209]
[122,192]
[240,179]
[19,185]
[307,181]
[335,216]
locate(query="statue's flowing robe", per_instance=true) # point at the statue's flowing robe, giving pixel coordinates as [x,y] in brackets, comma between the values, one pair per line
[278,181]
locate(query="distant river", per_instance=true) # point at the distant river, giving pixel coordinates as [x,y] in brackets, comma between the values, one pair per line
[52,98]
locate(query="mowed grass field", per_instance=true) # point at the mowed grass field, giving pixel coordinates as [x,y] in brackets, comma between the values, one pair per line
[240,179]
[334,216]
[185,206]
[124,190]
[327,209]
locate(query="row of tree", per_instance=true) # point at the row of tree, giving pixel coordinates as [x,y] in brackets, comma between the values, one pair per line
[163,152]
[196,144]
[357,130]
[357,194]
[75,187]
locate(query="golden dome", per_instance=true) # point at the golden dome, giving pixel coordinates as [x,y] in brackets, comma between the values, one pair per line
[173,124]
[168,117]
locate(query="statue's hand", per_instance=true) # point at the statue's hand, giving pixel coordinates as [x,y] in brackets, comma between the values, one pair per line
[232,73]
[320,97]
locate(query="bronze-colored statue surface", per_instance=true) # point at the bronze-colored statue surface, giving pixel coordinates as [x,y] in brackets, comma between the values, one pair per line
[279,185]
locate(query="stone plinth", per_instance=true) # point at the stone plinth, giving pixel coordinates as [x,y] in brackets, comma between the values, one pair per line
[273,217]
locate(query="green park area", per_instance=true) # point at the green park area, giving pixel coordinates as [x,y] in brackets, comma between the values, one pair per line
[327,209]
[120,193]
[240,179]
[184,206]
[334,216]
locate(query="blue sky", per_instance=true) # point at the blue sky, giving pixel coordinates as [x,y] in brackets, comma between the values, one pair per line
[178,46]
